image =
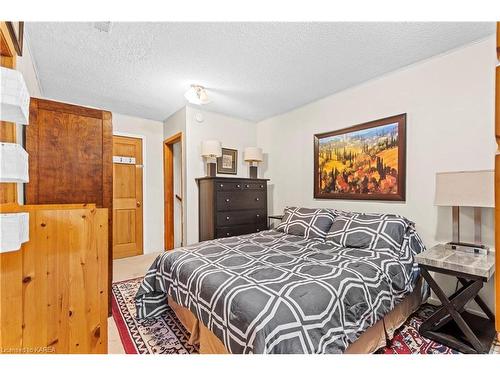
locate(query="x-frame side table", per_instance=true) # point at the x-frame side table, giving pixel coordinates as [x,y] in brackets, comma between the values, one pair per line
[451,324]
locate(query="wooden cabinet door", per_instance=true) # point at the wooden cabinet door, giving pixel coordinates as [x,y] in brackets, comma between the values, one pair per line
[69,151]
[127,197]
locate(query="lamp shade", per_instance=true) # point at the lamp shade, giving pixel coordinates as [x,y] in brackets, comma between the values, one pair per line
[253,154]
[465,189]
[14,97]
[211,149]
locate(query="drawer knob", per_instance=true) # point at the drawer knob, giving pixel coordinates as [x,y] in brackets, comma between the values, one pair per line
[221,185]
[257,199]
[258,230]
[238,186]
[247,186]
[227,199]
[261,186]
[227,234]
[227,217]
[258,215]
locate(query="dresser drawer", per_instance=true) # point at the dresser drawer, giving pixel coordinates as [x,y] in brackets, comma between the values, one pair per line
[227,186]
[241,200]
[254,186]
[241,217]
[238,230]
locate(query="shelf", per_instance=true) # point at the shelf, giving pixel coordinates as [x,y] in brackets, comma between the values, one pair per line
[14,231]
[13,163]
[14,97]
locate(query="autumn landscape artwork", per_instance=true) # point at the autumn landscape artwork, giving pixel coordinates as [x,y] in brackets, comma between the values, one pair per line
[362,162]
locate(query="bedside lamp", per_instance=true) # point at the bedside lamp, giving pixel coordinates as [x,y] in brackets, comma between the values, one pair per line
[253,155]
[211,150]
[466,189]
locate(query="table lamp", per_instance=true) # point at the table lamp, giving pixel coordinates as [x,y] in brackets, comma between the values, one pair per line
[211,150]
[466,189]
[253,155]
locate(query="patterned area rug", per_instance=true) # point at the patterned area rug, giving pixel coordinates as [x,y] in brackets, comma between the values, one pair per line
[163,335]
[166,335]
[407,340]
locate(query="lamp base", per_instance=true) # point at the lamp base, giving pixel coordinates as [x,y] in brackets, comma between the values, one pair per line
[211,169]
[253,171]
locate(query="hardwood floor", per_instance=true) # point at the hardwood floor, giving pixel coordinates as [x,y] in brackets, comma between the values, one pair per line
[124,269]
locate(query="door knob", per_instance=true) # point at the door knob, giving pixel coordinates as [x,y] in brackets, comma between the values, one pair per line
[138,204]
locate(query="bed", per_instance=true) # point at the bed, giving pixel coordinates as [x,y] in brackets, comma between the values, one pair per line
[287,291]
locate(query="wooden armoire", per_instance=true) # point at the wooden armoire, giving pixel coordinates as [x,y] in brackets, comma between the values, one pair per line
[70,152]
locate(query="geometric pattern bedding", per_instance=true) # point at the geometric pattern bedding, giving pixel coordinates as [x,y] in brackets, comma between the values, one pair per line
[271,292]
[372,231]
[306,222]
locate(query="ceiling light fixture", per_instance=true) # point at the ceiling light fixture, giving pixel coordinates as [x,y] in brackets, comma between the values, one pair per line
[197,95]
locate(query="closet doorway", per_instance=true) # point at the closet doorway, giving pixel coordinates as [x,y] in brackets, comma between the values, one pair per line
[127,197]
[173,192]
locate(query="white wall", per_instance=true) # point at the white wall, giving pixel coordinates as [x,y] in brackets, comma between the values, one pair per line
[152,148]
[232,132]
[449,101]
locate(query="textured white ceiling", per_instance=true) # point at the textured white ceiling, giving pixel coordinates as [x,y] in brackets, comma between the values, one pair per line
[251,70]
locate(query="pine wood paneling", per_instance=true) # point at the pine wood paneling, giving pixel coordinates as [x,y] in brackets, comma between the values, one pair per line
[11,295]
[62,291]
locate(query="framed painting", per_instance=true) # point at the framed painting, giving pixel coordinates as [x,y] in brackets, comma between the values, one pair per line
[366,161]
[228,162]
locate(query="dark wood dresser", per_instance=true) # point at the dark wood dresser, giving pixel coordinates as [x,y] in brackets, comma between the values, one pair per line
[231,206]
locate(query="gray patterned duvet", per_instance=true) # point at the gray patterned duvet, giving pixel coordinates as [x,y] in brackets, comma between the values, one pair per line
[272,292]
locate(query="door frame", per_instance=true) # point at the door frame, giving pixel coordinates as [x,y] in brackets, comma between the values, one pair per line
[168,188]
[144,198]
